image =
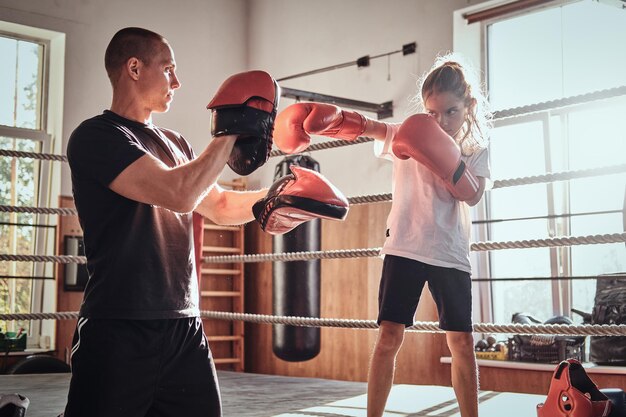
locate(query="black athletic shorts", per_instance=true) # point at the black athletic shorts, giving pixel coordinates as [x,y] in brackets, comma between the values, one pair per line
[151,368]
[401,286]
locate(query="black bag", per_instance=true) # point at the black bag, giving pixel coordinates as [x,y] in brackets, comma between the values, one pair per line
[609,308]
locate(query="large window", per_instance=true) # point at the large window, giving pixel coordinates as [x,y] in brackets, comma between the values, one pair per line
[25,120]
[21,85]
[538,56]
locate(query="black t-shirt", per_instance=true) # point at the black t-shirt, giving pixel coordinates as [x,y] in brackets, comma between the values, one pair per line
[140,257]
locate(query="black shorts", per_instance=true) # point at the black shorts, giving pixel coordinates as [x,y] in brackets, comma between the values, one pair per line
[401,286]
[130,368]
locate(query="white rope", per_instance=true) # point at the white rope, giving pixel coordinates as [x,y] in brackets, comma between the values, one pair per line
[62,259]
[39,210]
[420,326]
[423,326]
[349,253]
[328,144]
[365,199]
[66,315]
[33,155]
[551,242]
[560,103]
[373,252]
[501,114]
[560,176]
[295,256]
[377,198]
[535,179]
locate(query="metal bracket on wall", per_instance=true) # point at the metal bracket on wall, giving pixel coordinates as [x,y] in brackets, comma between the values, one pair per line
[382,110]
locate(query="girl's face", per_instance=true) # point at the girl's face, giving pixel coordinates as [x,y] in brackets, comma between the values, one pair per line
[448,110]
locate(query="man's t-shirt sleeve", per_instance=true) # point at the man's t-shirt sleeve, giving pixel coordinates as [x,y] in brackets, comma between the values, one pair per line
[102,151]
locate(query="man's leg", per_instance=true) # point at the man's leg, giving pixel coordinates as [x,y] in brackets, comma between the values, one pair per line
[382,366]
[188,384]
[464,372]
[114,367]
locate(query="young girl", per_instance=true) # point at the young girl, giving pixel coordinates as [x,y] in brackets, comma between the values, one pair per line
[440,168]
[429,229]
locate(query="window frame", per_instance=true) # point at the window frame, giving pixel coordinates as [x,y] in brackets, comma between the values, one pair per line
[472,41]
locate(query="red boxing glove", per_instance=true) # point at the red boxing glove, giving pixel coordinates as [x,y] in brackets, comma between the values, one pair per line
[420,137]
[299,197]
[294,125]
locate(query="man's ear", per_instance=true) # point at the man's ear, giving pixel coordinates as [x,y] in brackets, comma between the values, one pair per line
[133,68]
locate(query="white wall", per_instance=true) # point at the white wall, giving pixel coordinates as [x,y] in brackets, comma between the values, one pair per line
[215,38]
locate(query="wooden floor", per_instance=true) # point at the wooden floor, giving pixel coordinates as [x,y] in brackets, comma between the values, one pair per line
[255,395]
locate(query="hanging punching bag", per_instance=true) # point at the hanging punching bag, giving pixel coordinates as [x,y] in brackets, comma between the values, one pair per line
[296,286]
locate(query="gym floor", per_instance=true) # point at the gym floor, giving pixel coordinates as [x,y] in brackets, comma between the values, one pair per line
[255,395]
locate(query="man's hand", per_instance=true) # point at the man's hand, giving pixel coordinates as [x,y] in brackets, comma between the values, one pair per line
[299,197]
[245,105]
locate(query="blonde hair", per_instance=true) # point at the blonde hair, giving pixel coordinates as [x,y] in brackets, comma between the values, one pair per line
[450,74]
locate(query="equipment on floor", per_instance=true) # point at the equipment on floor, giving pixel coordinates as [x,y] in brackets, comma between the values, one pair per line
[609,308]
[573,394]
[13,405]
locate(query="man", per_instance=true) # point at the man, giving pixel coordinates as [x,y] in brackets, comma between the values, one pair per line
[139,347]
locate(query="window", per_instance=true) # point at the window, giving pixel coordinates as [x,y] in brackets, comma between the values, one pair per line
[27,124]
[551,53]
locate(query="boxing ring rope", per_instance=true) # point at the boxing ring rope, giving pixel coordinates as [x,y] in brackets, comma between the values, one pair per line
[351,253]
[39,210]
[554,329]
[559,278]
[373,252]
[560,103]
[419,326]
[500,114]
[60,259]
[327,144]
[377,198]
[33,155]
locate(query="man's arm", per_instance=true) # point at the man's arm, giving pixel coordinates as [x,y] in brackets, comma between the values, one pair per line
[244,105]
[228,207]
[179,189]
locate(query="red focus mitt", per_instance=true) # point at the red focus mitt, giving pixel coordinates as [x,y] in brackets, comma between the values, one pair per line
[299,197]
[245,105]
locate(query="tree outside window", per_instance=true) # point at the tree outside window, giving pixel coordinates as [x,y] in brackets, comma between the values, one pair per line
[21,86]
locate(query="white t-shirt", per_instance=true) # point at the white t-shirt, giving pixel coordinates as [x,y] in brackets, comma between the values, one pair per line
[426,222]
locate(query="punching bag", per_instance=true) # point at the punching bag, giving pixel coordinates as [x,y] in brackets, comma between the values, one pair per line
[296,285]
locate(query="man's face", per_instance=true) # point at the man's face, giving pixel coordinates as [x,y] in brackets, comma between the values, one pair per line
[158,80]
